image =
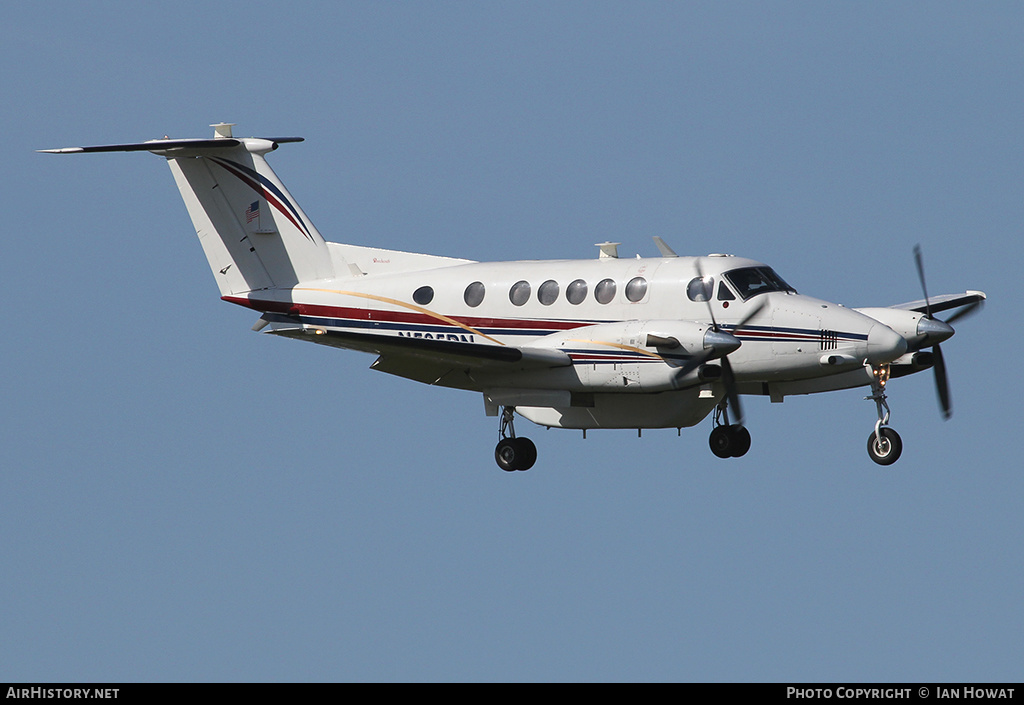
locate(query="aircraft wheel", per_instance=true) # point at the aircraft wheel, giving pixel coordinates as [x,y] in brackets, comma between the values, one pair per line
[740,440]
[515,454]
[506,454]
[527,453]
[721,441]
[888,451]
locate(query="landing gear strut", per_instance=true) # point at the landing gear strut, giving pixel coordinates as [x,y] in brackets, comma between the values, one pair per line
[513,453]
[728,440]
[884,444]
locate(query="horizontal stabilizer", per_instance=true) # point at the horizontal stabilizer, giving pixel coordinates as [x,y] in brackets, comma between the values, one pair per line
[166,144]
[150,146]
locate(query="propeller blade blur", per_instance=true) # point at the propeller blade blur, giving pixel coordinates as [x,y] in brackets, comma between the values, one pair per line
[942,383]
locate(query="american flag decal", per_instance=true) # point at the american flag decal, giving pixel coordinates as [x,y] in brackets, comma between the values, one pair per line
[252,212]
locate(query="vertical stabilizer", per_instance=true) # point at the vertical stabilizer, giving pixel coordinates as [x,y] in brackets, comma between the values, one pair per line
[253,232]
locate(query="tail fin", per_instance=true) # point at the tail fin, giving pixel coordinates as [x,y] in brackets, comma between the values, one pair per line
[254,234]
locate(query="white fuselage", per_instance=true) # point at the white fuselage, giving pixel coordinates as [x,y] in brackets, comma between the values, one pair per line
[592,318]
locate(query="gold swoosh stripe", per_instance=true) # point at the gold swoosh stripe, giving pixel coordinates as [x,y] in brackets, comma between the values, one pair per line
[403,304]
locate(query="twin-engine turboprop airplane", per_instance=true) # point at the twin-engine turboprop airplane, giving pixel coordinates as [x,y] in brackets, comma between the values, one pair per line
[583,344]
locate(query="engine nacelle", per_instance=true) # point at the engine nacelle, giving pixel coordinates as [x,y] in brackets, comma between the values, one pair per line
[638,356]
[917,329]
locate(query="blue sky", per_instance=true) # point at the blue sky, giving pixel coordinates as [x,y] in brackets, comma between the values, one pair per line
[183,499]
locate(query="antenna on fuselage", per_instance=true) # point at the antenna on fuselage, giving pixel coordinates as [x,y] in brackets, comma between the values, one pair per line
[663,248]
[609,250]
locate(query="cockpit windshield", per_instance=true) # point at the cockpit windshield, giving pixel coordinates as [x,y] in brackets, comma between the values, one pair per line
[751,281]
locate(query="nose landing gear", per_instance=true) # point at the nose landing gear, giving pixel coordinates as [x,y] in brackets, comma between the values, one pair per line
[884,444]
[513,453]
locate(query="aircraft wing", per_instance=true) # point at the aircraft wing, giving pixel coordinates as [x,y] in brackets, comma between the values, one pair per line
[943,302]
[429,360]
[468,354]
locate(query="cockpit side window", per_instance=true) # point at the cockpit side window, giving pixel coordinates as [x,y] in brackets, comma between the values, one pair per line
[751,281]
[700,289]
[724,293]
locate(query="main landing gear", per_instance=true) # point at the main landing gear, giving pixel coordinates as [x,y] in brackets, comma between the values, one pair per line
[884,444]
[513,453]
[728,440]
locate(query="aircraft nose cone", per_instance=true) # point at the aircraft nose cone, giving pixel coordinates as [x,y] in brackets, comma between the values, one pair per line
[721,343]
[934,331]
[885,344]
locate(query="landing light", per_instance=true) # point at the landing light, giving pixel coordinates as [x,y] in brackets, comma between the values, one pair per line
[881,373]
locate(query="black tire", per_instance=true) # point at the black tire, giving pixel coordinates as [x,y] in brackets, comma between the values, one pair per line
[507,454]
[721,441]
[514,454]
[527,454]
[740,441]
[888,452]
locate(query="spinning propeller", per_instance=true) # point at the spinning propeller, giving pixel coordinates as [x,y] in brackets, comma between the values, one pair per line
[935,328]
[718,344]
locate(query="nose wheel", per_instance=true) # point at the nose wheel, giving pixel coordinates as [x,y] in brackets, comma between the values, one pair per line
[884,444]
[513,453]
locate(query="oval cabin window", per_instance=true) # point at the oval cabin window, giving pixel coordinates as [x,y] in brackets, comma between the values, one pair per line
[474,295]
[576,292]
[604,292]
[423,296]
[636,289]
[547,294]
[519,294]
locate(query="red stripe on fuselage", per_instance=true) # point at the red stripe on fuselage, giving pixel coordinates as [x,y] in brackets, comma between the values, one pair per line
[368,314]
